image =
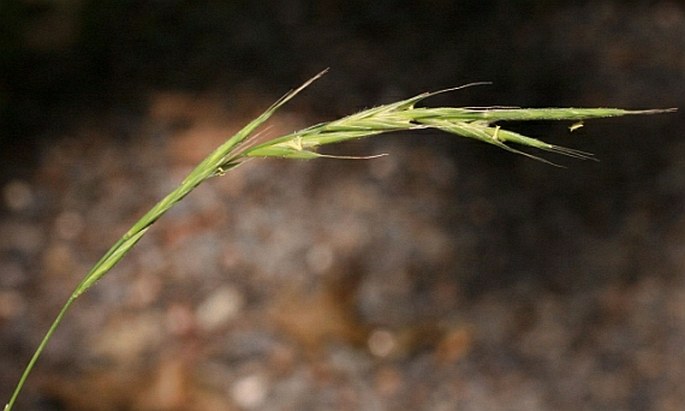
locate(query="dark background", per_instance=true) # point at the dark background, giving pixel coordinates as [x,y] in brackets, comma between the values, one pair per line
[500,282]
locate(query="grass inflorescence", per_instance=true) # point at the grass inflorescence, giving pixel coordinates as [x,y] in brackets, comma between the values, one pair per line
[478,123]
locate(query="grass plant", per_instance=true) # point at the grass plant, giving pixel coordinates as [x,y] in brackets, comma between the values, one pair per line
[478,123]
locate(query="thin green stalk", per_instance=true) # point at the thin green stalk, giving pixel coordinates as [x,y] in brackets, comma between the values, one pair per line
[209,167]
[37,353]
[476,123]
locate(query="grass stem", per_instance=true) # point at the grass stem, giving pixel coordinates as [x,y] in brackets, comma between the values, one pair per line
[476,123]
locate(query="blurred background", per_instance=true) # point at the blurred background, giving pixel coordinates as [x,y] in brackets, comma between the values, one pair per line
[446,276]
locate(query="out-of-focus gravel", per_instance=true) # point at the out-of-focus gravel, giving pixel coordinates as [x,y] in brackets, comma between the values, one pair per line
[346,285]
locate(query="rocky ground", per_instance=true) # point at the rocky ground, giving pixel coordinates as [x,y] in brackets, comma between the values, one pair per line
[415,281]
